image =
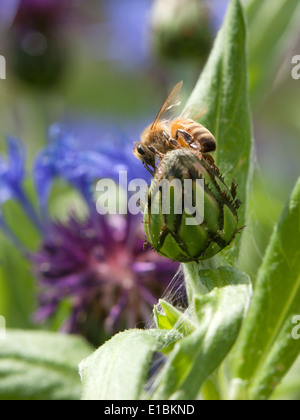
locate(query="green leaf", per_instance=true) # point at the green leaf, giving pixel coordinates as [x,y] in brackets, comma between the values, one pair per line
[266,348]
[271,24]
[118,369]
[289,389]
[203,280]
[17,286]
[36,365]
[168,317]
[161,321]
[194,358]
[223,89]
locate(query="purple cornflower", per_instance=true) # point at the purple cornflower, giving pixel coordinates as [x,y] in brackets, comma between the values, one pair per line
[97,264]
[103,270]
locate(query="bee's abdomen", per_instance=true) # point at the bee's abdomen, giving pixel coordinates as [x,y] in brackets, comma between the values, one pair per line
[202,136]
[196,130]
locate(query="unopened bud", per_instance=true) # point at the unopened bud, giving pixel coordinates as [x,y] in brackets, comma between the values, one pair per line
[181,29]
[192,225]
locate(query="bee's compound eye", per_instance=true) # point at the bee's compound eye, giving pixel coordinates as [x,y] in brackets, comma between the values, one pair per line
[140,150]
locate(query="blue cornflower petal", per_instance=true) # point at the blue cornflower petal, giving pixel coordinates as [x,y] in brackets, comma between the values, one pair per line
[17,157]
[112,142]
[5,192]
[15,161]
[128,36]
[80,164]
[12,169]
[217,11]
[12,174]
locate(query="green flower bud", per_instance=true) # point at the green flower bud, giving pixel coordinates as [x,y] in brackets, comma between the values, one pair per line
[181,30]
[38,60]
[190,214]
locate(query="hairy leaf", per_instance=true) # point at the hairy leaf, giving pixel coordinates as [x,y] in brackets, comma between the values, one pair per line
[36,365]
[194,358]
[118,370]
[267,346]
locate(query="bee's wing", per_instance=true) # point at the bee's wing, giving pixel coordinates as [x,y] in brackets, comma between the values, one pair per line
[194,111]
[172,100]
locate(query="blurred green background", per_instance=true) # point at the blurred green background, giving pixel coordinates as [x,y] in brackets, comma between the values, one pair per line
[116,60]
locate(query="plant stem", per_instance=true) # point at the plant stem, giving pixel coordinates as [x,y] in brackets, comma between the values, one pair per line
[194,281]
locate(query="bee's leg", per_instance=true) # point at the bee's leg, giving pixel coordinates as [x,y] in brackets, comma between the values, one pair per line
[184,139]
[171,142]
[208,158]
[175,143]
[154,150]
[148,168]
[166,135]
[186,136]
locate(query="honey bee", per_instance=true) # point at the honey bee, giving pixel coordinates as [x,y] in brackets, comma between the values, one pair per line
[167,133]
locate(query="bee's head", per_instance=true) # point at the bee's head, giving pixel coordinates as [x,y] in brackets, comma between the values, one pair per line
[144,154]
